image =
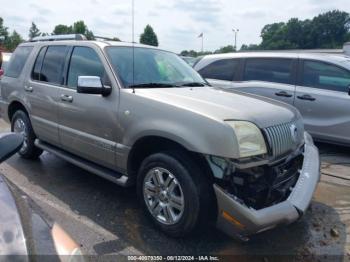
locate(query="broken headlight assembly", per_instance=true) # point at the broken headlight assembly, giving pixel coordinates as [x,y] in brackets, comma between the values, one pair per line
[249,138]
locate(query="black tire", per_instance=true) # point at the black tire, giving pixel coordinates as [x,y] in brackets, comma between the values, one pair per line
[196,188]
[28,150]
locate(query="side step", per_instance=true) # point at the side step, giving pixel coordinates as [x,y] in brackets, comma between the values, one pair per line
[106,173]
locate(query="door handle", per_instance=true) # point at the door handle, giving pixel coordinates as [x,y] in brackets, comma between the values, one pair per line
[67,98]
[28,89]
[306,97]
[284,94]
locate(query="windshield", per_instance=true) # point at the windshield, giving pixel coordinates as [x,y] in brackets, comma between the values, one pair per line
[152,68]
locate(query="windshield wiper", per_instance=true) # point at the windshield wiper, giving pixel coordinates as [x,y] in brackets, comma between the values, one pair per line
[193,84]
[150,85]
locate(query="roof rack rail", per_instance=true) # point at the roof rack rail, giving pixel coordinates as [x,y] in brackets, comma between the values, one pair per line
[58,38]
[103,38]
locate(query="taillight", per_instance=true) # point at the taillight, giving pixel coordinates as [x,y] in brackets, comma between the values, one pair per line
[1,72]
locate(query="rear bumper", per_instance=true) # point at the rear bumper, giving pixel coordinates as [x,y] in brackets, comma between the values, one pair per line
[238,220]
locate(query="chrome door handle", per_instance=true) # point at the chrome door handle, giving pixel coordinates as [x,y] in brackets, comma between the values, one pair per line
[67,98]
[284,94]
[307,97]
[28,89]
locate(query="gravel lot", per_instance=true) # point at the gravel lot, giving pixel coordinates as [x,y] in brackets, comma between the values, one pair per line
[105,219]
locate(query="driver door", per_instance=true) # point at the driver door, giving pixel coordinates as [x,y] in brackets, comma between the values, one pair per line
[87,122]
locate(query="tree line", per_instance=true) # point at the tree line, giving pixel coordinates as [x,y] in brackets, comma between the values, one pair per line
[9,41]
[327,30]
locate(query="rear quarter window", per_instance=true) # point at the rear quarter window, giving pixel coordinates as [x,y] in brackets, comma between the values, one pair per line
[224,69]
[325,76]
[18,61]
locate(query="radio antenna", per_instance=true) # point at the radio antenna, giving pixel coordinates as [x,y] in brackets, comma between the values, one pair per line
[133,44]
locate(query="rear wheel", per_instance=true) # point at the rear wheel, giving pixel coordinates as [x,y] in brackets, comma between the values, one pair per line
[171,191]
[20,123]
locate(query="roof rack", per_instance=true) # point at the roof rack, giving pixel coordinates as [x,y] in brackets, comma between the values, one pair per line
[103,38]
[59,38]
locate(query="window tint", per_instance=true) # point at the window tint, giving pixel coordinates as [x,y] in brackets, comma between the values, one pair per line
[221,70]
[84,62]
[36,74]
[325,76]
[53,64]
[269,70]
[18,60]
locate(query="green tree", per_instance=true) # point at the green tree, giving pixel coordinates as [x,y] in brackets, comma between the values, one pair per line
[225,49]
[78,27]
[34,31]
[62,30]
[3,29]
[327,30]
[251,47]
[149,37]
[13,41]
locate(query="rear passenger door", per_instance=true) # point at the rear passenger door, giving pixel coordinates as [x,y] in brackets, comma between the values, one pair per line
[42,89]
[88,122]
[269,77]
[322,97]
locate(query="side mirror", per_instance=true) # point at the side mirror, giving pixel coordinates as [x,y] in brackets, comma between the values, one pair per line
[92,85]
[10,143]
[349,90]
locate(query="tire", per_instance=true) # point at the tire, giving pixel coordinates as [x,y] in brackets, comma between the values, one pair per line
[187,183]
[20,123]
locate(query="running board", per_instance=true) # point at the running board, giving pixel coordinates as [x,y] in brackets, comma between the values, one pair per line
[106,173]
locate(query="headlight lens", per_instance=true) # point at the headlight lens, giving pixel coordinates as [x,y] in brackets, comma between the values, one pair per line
[250,139]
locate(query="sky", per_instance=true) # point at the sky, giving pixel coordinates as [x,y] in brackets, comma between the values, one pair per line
[177,23]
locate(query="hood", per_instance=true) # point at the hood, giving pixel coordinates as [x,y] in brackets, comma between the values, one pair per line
[224,105]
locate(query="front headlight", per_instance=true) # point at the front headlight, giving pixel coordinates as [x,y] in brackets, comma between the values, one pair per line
[250,139]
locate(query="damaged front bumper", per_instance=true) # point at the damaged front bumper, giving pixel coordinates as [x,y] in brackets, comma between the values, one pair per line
[238,220]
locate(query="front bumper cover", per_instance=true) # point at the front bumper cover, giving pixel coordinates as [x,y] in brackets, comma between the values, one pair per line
[238,220]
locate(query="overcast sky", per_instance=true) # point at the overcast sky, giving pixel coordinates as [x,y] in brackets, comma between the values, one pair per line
[176,22]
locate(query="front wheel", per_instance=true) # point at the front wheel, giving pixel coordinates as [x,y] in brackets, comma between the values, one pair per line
[20,123]
[170,191]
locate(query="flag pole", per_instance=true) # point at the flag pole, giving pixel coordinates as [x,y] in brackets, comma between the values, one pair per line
[202,42]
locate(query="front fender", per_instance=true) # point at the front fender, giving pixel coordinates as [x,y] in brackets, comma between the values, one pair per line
[200,136]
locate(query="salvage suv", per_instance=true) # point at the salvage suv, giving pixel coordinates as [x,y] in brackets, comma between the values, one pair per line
[135,114]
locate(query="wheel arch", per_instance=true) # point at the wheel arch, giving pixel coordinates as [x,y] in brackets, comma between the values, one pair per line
[13,107]
[148,145]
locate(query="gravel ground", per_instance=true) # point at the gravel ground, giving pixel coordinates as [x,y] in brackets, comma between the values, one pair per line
[106,219]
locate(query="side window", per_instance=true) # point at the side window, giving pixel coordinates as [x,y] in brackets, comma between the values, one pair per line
[17,61]
[222,69]
[53,64]
[276,70]
[36,73]
[84,62]
[325,76]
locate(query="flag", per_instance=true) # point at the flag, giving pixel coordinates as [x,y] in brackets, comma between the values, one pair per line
[201,35]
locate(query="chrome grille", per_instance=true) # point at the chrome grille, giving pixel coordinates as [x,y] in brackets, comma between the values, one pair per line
[281,140]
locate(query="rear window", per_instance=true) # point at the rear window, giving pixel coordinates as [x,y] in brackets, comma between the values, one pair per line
[17,61]
[222,70]
[53,64]
[269,70]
